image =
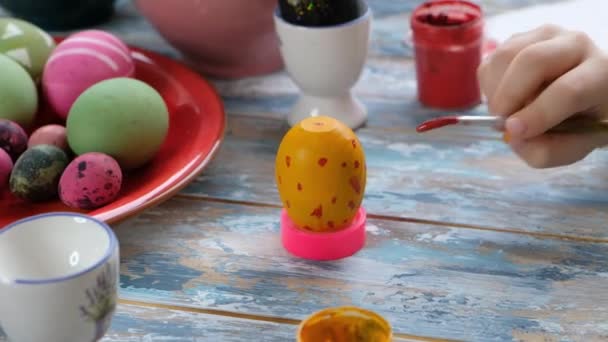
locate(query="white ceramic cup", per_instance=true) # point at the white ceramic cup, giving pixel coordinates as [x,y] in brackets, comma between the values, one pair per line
[58,278]
[326,63]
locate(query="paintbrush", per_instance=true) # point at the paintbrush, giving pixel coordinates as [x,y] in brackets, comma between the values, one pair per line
[575,124]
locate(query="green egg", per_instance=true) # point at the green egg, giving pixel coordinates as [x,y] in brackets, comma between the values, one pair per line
[18,94]
[36,174]
[121,117]
[26,44]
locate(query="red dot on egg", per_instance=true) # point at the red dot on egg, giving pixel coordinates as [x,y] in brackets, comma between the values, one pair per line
[354,143]
[318,212]
[344,164]
[322,162]
[333,200]
[280,180]
[356,164]
[351,205]
[287,204]
[299,187]
[330,224]
[355,184]
[288,161]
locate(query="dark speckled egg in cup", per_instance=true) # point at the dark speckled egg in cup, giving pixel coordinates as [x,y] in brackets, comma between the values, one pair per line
[326,62]
[321,175]
[344,324]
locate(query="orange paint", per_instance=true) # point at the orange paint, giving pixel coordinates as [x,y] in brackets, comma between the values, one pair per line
[344,324]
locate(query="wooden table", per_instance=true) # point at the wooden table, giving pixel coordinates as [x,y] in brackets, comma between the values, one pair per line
[465,241]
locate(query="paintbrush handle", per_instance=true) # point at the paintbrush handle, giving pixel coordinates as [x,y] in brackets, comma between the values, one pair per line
[580,125]
[575,124]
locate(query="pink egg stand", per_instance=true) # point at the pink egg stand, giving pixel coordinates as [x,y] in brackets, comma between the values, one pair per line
[324,246]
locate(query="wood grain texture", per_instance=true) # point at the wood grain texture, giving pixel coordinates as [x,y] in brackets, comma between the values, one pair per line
[452,178]
[426,280]
[140,323]
[147,323]
[429,280]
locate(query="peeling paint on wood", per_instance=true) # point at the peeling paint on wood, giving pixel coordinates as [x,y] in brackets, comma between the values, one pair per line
[452,178]
[431,280]
[147,324]
[427,280]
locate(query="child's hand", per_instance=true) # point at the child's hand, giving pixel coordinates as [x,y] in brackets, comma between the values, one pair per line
[538,79]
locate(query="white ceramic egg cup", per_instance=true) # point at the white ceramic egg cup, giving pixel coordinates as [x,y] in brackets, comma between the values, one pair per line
[58,278]
[326,63]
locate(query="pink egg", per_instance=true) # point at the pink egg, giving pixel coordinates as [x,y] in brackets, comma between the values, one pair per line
[6,165]
[49,135]
[13,139]
[90,181]
[80,61]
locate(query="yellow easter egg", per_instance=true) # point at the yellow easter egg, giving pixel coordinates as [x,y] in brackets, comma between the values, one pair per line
[320,173]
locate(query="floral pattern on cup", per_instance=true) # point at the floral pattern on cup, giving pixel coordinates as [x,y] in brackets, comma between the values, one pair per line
[101,301]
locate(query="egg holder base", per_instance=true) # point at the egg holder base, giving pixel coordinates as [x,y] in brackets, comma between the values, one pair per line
[324,246]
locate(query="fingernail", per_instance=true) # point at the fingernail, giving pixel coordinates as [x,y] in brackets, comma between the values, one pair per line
[515,127]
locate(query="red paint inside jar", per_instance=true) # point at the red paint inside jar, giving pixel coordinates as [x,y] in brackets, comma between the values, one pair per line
[446,19]
[447,37]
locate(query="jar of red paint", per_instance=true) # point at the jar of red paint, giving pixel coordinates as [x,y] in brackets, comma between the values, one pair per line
[447,37]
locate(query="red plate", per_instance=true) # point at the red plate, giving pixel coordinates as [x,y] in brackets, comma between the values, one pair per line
[197,122]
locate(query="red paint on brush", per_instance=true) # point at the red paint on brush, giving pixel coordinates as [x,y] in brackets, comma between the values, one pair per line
[437,123]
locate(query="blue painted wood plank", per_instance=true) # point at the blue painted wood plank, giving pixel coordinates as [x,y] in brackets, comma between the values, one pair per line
[454,178]
[426,280]
[137,323]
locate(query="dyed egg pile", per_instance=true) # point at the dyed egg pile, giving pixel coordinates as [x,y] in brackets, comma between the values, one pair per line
[321,174]
[109,122]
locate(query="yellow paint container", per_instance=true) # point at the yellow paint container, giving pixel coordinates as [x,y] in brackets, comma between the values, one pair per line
[344,324]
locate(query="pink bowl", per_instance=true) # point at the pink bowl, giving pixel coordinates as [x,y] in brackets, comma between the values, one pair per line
[220,38]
